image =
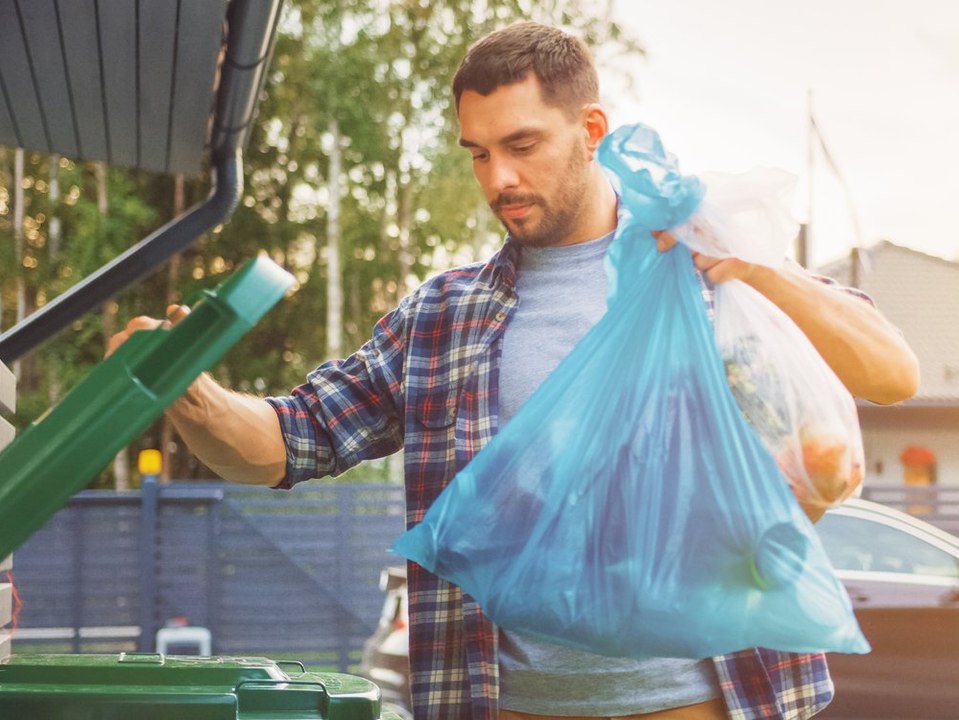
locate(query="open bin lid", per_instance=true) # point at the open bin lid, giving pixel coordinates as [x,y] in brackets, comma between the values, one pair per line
[149,686]
[60,453]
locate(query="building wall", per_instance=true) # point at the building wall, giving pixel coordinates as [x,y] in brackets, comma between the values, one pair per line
[887,431]
[919,294]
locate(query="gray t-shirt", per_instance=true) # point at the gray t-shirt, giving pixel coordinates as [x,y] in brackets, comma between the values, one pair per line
[562,294]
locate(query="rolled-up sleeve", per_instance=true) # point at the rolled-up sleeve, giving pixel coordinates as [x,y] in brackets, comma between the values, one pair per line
[348,410]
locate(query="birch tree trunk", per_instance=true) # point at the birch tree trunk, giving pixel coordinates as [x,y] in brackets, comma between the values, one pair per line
[54,386]
[334,282]
[173,282]
[108,314]
[404,220]
[54,225]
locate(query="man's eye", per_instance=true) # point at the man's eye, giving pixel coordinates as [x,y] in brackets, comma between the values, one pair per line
[523,149]
[479,157]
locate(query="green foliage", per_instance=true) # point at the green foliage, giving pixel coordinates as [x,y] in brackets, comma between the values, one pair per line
[380,71]
[89,240]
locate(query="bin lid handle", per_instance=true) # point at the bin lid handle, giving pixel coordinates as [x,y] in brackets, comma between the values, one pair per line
[261,683]
[292,662]
[142,658]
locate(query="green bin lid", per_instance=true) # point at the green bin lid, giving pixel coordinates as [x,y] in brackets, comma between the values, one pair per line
[147,686]
[60,453]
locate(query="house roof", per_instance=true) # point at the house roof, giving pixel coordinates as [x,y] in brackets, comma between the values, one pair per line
[136,84]
[919,294]
[153,84]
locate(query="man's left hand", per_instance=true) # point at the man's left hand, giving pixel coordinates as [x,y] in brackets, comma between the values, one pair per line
[716,270]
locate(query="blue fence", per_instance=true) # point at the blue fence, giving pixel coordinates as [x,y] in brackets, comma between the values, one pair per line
[286,575]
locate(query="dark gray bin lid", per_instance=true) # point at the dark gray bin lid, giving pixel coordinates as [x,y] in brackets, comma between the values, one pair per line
[148,84]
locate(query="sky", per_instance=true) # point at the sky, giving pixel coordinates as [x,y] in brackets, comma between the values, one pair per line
[729,83]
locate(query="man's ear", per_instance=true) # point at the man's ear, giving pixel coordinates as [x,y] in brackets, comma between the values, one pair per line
[596,126]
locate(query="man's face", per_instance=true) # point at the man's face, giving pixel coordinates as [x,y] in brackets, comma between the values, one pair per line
[530,159]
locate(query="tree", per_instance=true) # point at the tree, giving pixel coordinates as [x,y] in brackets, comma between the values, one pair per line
[354,182]
[43,266]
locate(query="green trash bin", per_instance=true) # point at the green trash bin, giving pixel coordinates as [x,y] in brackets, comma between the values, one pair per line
[60,453]
[146,686]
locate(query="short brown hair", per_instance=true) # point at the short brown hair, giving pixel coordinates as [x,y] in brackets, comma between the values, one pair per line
[562,64]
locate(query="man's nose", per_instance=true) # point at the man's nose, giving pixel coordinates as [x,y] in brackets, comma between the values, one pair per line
[503,175]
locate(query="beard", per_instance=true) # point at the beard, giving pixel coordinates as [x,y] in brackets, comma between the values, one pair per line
[558,218]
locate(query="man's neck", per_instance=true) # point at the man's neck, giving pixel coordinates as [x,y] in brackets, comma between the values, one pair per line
[599,212]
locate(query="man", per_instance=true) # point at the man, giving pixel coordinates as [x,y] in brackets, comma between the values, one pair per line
[462,353]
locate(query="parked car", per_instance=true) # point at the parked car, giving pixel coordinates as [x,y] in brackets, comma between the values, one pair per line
[385,658]
[902,575]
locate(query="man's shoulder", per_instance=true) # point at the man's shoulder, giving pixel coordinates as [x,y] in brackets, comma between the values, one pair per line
[464,281]
[447,293]
[457,278]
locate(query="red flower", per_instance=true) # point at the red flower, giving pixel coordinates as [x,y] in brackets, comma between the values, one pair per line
[917,455]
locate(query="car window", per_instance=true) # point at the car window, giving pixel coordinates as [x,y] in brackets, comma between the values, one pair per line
[856,544]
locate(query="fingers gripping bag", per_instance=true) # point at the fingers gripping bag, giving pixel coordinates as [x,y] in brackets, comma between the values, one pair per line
[628,508]
[802,412]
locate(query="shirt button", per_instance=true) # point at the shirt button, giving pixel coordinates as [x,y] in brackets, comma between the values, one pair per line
[500,316]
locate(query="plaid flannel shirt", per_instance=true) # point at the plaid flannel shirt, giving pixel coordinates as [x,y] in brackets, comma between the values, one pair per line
[428,381]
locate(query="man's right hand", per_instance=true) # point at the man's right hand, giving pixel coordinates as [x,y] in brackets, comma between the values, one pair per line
[174,314]
[237,436]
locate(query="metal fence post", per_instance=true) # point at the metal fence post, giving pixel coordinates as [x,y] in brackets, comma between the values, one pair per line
[79,550]
[213,560]
[344,555]
[149,491]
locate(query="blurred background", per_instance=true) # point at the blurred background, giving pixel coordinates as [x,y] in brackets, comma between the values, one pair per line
[353,180]
[736,84]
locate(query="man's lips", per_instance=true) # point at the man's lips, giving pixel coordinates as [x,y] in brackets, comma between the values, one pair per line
[515,212]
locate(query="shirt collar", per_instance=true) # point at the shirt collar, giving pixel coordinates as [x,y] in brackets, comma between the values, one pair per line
[501,268]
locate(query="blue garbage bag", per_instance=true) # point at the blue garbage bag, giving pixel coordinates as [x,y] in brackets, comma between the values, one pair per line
[628,509]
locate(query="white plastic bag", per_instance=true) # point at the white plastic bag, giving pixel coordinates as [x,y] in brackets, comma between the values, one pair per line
[803,413]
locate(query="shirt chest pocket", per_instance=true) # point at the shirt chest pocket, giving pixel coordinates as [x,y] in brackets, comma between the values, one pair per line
[436,409]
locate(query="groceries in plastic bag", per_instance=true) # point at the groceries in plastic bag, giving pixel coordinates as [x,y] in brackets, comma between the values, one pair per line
[803,413]
[628,509]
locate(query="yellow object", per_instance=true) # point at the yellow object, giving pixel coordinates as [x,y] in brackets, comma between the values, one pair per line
[150,462]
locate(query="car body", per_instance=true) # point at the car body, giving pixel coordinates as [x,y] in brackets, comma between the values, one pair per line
[385,658]
[902,575]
